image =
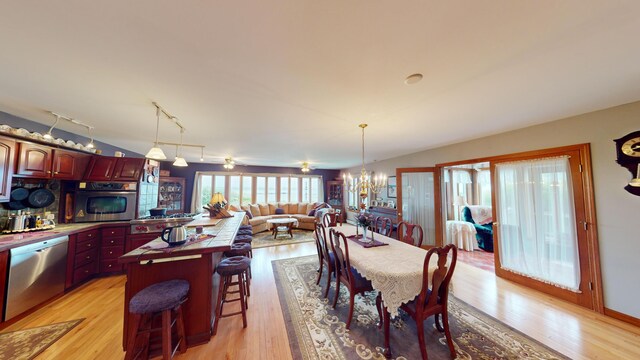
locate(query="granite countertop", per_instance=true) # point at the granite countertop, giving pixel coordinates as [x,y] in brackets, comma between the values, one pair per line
[224,232]
[10,241]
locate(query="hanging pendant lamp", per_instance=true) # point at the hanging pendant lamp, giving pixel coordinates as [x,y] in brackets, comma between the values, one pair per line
[180,161]
[156,153]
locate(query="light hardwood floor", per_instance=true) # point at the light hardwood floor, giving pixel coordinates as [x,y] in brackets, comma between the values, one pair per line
[573,331]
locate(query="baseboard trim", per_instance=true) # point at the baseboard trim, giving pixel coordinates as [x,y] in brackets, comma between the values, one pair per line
[622,317]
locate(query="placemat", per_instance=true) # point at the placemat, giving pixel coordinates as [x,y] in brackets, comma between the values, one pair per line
[164,247]
[357,239]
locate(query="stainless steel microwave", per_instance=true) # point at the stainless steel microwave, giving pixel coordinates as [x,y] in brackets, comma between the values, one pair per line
[105,202]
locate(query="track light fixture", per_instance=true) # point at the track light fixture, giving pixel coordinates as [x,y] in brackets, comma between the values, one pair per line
[48,135]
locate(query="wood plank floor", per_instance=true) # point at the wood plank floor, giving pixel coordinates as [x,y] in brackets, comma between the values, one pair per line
[575,332]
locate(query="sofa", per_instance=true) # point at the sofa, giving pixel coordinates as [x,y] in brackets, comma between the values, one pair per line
[481,218]
[258,214]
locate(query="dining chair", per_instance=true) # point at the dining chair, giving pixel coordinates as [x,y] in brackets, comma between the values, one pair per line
[346,274]
[382,225]
[331,219]
[325,256]
[433,297]
[406,232]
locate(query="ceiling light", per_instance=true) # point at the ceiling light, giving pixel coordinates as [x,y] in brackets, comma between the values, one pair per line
[180,161]
[202,153]
[48,135]
[229,163]
[90,144]
[635,182]
[305,167]
[156,153]
[413,78]
[365,183]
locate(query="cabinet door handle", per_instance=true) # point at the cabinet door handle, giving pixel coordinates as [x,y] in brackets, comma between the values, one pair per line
[56,172]
[88,257]
[48,171]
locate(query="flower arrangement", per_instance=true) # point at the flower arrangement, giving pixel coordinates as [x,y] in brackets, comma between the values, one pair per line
[365,220]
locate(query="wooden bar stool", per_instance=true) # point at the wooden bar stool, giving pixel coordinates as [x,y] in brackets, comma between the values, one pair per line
[242,249]
[244,239]
[227,268]
[161,299]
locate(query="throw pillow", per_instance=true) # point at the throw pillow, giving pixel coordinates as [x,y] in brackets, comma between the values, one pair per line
[312,212]
[279,211]
[249,214]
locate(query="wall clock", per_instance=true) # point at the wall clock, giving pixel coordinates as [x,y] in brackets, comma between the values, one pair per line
[628,153]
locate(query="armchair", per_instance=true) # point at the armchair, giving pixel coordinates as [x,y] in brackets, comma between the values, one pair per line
[484,225]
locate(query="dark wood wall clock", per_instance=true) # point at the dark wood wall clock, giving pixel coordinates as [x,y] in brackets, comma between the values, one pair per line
[628,152]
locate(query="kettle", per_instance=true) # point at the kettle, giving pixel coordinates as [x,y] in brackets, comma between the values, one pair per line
[175,235]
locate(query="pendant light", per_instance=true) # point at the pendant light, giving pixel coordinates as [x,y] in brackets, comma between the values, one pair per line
[90,144]
[180,161]
[48,135]
[156,153]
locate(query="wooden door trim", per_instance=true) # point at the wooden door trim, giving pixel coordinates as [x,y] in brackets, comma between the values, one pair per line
[591,236]
[439,240]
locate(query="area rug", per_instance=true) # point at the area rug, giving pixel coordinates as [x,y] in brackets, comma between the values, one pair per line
[29,343]
[316,331]
[265,238]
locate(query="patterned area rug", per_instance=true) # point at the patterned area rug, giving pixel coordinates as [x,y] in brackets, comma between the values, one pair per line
[316,331]
[29,343]
[265,238]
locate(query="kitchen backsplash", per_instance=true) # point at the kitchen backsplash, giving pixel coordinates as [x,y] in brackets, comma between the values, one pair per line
[53,185]
[148,198]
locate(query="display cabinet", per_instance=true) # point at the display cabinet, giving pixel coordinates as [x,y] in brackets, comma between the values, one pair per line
[171,194]
[335,194]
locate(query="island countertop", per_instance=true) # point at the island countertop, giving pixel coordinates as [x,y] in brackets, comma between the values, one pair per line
[223,230]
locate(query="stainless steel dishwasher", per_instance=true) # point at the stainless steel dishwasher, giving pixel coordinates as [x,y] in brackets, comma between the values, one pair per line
[36,274]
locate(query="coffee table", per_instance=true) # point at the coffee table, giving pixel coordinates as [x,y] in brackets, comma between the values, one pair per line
[282,225]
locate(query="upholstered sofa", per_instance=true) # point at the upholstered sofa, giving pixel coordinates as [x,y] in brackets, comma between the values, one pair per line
[481,218]
[258,214]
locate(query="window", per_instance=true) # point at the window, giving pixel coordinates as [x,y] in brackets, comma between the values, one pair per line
[284,189]
[271,189]
[234,190]
[293,191]
[261,189]
[242,189]
[246,189]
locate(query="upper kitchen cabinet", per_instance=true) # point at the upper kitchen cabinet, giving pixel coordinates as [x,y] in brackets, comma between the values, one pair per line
[39,161]
[7,156]
[106,168]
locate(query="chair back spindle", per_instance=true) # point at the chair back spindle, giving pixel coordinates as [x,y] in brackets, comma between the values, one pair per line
[406,233]
[340,249]
[435,288]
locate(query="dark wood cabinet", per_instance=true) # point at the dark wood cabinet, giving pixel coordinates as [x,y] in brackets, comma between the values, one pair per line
[34,161]
[105,168]
[83,256]
[128,169]
[112,248]
[7,157]
[4,269]
[171,194]
[335,194]
[40,161]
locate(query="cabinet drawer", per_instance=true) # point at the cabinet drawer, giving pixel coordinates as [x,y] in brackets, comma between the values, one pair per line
[111,252]
[113,242]
[88,244]
[110,265]
[88,235]
[85,272]
[86,257]
[115,232]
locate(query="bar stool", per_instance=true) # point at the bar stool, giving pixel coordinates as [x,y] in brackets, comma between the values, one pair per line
[245,232]
[163,299]
[241,249]
[227,268]
[247,239]
[246,227]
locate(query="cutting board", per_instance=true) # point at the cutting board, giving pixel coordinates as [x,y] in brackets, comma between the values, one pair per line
[203,221]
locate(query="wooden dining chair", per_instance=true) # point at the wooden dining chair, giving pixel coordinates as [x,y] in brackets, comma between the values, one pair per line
[346,274]
[325,256]
[406,233]
[433,297]
[383,225]
[331,219]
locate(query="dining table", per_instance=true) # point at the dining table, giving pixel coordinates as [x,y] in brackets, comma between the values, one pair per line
[395,271]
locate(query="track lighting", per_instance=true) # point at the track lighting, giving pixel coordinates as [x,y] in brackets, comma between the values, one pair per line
[156,153]
[48,135]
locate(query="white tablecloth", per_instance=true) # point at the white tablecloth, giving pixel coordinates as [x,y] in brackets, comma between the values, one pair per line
[395,270]
[462,234]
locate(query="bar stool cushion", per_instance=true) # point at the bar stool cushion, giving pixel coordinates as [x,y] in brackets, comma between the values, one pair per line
[243,238]
[245,232]
[246,227]
[233,265]
[238,249]
[158,297]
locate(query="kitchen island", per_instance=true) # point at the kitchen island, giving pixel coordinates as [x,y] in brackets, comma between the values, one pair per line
[195,263]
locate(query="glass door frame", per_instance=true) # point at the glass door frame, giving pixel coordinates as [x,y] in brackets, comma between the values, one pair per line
[439,240]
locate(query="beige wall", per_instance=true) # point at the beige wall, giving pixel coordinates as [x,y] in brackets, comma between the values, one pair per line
[618,212]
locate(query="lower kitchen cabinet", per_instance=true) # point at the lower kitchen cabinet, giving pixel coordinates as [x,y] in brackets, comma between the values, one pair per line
[4,269]
[83,256]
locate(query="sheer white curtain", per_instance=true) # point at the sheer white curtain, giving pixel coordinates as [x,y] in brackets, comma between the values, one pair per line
[418,203]
[536,217]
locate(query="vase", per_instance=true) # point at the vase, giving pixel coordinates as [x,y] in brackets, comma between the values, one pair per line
[364,234]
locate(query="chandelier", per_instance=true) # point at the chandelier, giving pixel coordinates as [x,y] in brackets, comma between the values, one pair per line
[365,183]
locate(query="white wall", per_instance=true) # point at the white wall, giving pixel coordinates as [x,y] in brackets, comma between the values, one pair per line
[617,211]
